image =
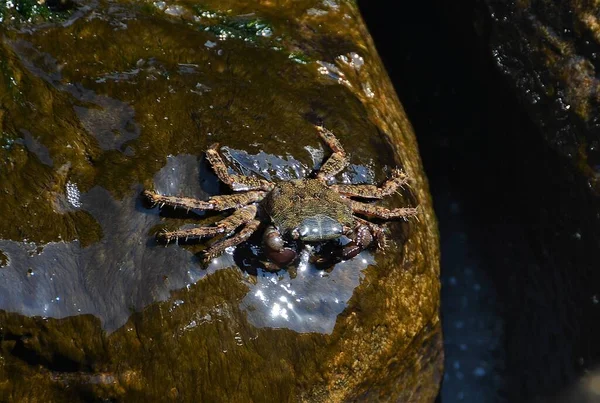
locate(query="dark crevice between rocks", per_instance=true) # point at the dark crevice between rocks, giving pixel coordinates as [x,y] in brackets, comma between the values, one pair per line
[518,237]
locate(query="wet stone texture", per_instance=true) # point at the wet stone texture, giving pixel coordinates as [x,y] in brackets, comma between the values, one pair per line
[108,98]
[549,52]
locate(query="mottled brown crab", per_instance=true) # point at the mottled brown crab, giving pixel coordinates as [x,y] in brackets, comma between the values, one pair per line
[293,212]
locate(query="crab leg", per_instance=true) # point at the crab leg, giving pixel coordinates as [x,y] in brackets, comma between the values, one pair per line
[218,247]
[227,224]
[390,186]
[336,161]
[221,202]
[371,210]
[235,182]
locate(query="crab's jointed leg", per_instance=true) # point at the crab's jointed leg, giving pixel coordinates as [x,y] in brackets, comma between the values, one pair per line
[371,210]
[336,161]
[225,225]
[219,247]
[235,182]
[390,186]
[219,203]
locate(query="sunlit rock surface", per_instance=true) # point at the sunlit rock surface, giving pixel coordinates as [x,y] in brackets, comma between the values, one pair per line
[106,99]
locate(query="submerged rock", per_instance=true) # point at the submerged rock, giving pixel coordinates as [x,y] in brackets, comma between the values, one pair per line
[127,96]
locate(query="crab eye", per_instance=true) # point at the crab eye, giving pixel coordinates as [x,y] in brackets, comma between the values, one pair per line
[273,239]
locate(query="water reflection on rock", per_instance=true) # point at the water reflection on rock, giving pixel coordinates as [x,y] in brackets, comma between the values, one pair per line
[264,164]
[126,270]
[108,279]
[123,272]
[271,166]
[310,302]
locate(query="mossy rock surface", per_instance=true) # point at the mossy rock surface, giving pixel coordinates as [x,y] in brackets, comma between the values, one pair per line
[115,97]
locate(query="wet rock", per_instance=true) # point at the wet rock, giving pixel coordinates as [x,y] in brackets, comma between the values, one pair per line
[24,12]
[123,97]
[550,53]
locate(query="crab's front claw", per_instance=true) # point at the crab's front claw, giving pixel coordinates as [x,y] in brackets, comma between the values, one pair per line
[275,248]
[360,240]
[282,257]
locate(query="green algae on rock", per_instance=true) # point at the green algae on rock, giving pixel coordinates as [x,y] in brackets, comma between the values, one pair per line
[126,96]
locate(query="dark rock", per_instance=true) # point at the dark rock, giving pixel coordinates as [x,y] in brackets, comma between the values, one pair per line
[548,52]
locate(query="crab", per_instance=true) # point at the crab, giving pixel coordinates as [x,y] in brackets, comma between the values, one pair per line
[292,213]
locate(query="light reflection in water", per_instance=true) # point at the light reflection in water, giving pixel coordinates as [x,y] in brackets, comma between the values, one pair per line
[126,270]
[122,271]
[308,302]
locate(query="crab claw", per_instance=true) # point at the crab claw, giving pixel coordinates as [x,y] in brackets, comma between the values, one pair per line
[361,238]
[275,248]
[283,257]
